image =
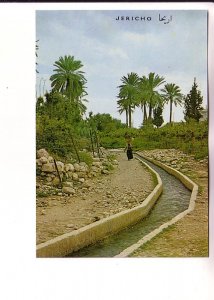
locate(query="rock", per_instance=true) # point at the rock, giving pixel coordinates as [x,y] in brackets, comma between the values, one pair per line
[50,159]
[42,153]
[60,166]
[38,162]
[43,212]
[106,172]
[97,164]
[75,177]
[86,184]
[43,160]
[96,159]
[70,174]
[49,179]
[68,184]
[76,167]
[69,167]
[83,164]
[82,180]
[56,181]
[49,167]
[82,174]
[70,226]
[68,190]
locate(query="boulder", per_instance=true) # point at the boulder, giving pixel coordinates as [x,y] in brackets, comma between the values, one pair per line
[83,169]
[69,167]
[96,159]
[43,160]
[49,167]
[97,164]
[38,162]
[60,166]
[83,164]
[41,153]
[70,174]
[76,167]
[68,190]
[75,177]
[56,181]
[50,159]
[86,184]
[49,179]
[82,174]
[68,184]
[106,172]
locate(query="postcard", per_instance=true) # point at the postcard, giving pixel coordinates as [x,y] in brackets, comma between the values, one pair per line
[113,143]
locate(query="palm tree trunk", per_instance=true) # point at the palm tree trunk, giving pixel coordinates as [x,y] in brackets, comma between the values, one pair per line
[145,112]
[127,118]
[170,117]
[150,111]
[130,116]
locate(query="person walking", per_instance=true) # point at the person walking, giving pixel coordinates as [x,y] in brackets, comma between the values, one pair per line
[129,151]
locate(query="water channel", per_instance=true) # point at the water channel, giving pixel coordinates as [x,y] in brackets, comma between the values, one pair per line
[174,199]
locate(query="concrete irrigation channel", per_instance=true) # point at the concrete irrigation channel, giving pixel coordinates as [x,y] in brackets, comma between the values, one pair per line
[172,199]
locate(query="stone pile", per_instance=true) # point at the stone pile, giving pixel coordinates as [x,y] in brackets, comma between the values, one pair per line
[71,174]
[174,158]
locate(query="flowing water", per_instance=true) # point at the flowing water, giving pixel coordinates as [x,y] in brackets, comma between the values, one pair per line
[174,199]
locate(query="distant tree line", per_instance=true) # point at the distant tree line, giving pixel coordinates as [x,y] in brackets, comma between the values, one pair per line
[146,93]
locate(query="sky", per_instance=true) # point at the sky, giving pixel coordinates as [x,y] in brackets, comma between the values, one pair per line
[172,44]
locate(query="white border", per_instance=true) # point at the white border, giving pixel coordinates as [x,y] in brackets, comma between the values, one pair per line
[24,276]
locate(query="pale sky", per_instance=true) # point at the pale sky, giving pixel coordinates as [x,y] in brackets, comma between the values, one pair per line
[174,47]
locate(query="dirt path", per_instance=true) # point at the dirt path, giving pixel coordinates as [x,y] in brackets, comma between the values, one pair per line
[126,187]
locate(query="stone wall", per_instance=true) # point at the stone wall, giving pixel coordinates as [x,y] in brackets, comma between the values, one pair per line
[71,174]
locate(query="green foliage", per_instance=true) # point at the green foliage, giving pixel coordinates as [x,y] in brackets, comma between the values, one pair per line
[86,157]
[104,122]
[193,104]
[192,138]
[158,117]
[172,94]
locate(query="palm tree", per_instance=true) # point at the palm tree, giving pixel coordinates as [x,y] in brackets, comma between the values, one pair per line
[148,92]
[68,79]
[123,106]
[172,94]
[128,93]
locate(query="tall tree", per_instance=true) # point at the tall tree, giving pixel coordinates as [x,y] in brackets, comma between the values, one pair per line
[128,92]
[193,104]
[149,94]
[68,79]
[158,117]
[123,107]
[172,94]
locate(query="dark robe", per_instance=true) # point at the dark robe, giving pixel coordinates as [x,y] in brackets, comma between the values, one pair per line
[129,152]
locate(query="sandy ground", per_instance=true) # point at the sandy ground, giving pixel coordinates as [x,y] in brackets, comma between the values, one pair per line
[127,186]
